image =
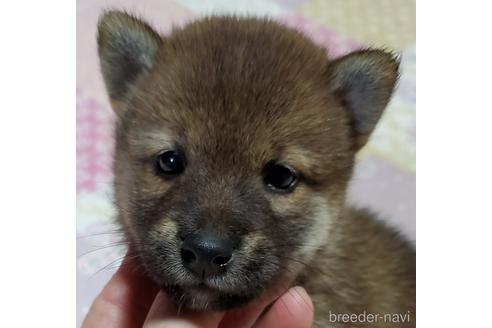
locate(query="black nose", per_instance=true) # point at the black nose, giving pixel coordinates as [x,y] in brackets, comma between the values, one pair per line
[206,254]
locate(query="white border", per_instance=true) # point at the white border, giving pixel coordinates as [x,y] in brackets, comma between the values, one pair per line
[37,163]
[454,163]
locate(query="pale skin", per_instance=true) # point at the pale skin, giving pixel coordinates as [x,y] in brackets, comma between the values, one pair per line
[130,300]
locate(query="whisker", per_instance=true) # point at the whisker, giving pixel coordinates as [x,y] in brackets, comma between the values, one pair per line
[115,244]
[102,233]
[299,296]
[286,307]
[181,302]
[107,266]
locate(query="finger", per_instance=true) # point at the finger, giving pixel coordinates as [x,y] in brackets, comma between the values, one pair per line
[124,301]
[293,310]
[245,317]
[164,314]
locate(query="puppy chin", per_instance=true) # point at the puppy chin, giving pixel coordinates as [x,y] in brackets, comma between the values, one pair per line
[201,298]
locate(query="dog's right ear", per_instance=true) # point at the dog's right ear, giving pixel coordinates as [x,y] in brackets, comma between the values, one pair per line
[127,48]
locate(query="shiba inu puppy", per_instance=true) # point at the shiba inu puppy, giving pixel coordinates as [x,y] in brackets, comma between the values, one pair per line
[235,142]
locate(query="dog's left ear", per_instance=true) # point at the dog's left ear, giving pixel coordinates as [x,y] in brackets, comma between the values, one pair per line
[364,81]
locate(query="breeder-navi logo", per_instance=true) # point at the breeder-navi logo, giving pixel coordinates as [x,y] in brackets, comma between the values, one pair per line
[369,317]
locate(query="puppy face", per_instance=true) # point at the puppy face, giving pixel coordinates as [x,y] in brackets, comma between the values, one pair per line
[235,143]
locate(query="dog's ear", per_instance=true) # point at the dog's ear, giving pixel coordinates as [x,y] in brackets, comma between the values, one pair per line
[127,48]
[364,81]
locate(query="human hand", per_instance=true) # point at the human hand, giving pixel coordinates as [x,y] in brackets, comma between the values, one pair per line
[130,299]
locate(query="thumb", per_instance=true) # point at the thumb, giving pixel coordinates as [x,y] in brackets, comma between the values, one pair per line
[294,309]
[164,314]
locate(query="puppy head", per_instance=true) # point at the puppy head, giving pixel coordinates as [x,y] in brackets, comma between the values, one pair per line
[235,141]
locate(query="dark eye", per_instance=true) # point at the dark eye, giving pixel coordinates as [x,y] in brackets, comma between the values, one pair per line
[170,162]
[279,177]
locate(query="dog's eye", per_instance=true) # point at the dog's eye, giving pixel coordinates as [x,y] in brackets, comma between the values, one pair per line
[279,177]
[170,162]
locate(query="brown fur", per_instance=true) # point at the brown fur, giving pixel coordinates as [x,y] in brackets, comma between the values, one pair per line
[232,95]
[367,267]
